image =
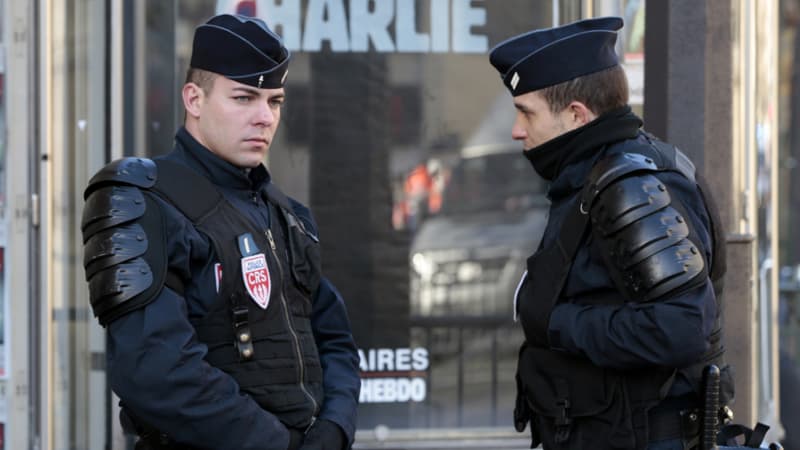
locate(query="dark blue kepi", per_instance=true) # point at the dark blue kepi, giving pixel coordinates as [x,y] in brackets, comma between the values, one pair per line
[241,48]
[550,56]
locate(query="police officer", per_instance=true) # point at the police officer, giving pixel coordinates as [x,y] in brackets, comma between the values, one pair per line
[222,332]
[620,303]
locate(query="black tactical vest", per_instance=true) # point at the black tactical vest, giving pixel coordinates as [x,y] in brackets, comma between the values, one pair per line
[574,404]
[270,352]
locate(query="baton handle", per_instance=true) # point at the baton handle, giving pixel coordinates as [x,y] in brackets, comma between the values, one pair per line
[711,408]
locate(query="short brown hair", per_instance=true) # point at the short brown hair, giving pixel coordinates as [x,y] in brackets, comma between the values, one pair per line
[601,91]
[202,78]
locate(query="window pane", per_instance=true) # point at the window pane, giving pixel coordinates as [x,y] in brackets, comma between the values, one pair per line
[75,148]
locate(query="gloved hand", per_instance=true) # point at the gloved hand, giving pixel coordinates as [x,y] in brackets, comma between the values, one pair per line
[295,439]
[324,435]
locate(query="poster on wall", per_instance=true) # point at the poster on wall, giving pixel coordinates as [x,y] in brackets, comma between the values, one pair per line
[359,26]
[393,375]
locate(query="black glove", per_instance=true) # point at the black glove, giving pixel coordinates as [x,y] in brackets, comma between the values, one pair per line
[324,435]
[295,438]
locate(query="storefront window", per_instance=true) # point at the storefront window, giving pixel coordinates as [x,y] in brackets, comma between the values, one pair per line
[73,148]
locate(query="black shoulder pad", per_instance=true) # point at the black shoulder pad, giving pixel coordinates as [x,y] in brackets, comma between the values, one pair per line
[140,172]
[627,200]
[124,250]
[673,269]
[111,290]
[611,168]
[645,240]
[110,206]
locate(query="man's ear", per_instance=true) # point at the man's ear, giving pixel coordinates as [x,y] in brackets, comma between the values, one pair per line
[580,114]
[193,97]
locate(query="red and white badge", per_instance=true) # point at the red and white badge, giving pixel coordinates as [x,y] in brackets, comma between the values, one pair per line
[255,274]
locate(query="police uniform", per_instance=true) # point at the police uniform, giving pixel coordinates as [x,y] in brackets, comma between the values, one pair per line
[222,331]
[620,303]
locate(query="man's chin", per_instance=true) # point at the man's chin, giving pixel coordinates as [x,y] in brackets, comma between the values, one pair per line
[248,161]
[252,157]
[251,164]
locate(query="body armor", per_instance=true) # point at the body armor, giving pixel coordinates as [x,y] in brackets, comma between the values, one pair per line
[644,237]
[648,250]
[124,254]
[271,351]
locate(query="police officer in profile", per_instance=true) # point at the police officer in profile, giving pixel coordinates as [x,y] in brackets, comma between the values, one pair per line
[620,304]
[222,331]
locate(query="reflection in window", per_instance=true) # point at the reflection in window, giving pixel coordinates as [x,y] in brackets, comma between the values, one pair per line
[493,183]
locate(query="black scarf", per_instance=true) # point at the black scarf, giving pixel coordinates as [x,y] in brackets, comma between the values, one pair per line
[552,157]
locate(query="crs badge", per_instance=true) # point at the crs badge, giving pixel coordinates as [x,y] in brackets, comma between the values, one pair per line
[255,274]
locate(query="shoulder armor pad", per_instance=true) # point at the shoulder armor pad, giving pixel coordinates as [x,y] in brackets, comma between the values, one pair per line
[673,269]
[112,290]
[611,168]
[646,241]
[110,206]
[140,172]
[124,250]
[628,200]
[113,246]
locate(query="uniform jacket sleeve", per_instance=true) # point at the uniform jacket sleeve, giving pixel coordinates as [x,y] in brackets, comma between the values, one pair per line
[672,331]
[156,366]
[339,358]
[337,349]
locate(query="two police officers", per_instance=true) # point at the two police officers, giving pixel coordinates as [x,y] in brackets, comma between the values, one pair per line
[620,303]
[222,331]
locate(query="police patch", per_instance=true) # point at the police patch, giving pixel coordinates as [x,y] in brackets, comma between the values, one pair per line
[255,274]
